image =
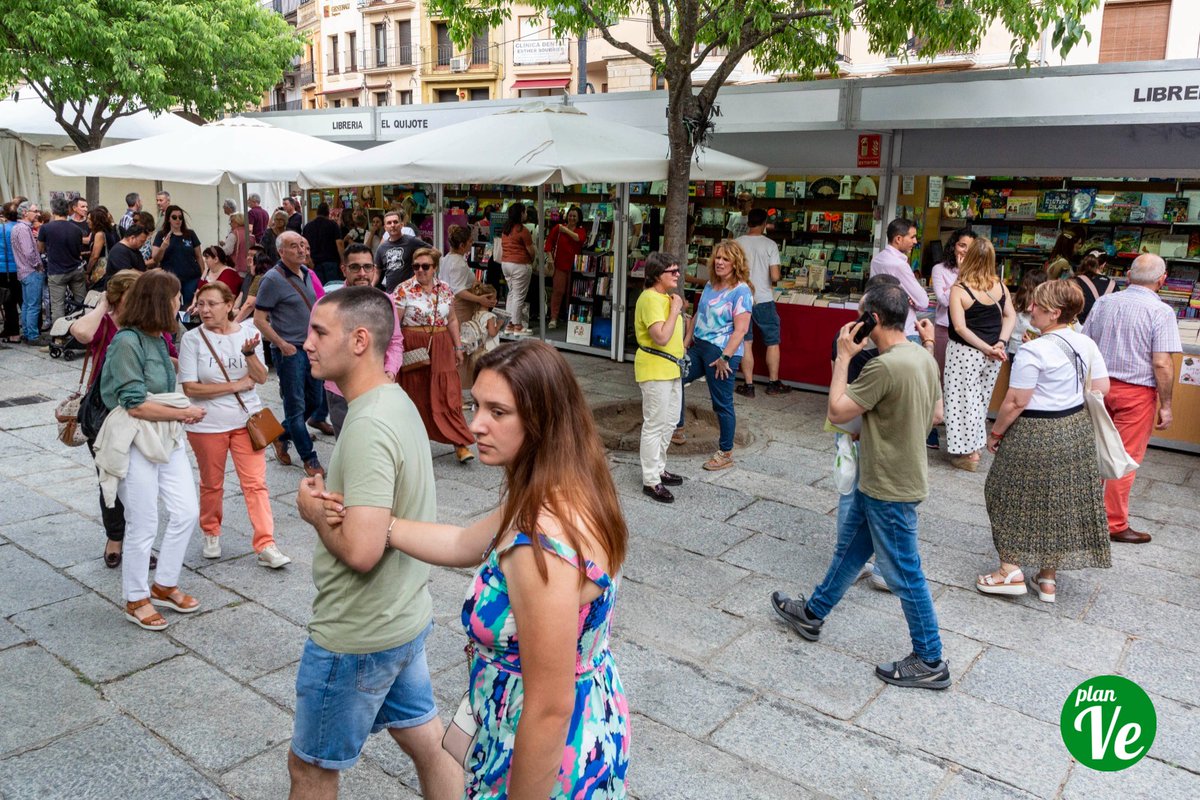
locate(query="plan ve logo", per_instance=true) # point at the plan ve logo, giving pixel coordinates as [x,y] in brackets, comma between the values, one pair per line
[1108,723]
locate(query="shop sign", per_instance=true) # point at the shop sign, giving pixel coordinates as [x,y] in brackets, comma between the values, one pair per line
[540,51]
[351,125]
[334,10]
[870,148]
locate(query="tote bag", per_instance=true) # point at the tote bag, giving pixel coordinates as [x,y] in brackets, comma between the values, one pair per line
[1115,461]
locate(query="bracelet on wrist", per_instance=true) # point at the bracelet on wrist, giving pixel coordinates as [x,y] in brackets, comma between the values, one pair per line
[995,435]
[927,341]
[387,537]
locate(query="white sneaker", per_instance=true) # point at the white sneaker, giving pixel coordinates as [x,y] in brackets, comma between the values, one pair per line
[272,558]
[552,324]
[212,546]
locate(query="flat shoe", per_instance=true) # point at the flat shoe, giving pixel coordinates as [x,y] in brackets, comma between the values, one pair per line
[1129,536]
[678,437]
[322,427]
[658,492]
[281,453]
[670,479]
[112,560]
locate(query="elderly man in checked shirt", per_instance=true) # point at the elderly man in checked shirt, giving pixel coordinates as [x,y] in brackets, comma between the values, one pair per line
[1136,333]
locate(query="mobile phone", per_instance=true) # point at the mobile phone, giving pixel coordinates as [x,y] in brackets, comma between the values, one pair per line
[868,325]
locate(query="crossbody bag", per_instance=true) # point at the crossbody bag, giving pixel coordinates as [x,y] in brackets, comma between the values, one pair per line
[262,426]
[684,363]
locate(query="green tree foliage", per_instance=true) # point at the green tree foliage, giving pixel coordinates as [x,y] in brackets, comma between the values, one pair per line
[95,61]
[800,37]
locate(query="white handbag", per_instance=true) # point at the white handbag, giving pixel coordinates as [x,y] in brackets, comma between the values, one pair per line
[1115,461]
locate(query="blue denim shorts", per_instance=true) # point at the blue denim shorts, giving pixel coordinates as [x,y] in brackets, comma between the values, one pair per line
[342,698]
[764,317]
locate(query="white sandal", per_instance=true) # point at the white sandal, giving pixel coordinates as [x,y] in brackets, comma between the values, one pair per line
[1012,585]
[1045,597]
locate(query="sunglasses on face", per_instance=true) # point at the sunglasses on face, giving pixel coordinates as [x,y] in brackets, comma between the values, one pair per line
[671,271]
[176,217]
[422,267]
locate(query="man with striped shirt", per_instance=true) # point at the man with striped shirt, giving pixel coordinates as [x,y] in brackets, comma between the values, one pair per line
[1136,333]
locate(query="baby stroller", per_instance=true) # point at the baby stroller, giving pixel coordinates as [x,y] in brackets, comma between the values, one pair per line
[62,344]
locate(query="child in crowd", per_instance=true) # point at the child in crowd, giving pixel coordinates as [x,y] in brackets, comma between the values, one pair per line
[1024,331]
[480,334]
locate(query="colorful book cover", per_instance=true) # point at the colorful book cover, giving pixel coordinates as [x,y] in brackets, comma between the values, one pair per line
[1028,236]
[1193,248]
[1155,204]
[849,223]
[1152,240]
[993,203]
[1102,207]
[1044,238]
[1127,239]
[1081,204]
[1174,245]
[1021,206]
[1176,210]
[999,236]
[1099,239]
[983,232]
[1054,204]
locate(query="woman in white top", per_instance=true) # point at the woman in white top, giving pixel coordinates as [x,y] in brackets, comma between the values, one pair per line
[944,276]
[1044,495]
[220,364]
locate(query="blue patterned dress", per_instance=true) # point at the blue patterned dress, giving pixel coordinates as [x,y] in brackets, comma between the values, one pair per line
[596,754]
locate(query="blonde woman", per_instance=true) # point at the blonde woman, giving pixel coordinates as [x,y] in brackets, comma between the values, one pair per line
[715,339]
[982,318]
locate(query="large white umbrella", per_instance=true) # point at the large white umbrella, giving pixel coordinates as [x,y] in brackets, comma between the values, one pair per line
[526,146]
[240,149]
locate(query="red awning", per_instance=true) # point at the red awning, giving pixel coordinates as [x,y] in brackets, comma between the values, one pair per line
[542,83]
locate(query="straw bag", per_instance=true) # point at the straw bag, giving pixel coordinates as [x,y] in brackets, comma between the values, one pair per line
[66,413]
[1115,461]
[262,426]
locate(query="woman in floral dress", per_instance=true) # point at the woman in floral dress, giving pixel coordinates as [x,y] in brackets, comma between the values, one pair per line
[424,303]
[552,716]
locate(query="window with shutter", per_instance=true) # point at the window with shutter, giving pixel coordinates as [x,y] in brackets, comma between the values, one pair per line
[1134,30]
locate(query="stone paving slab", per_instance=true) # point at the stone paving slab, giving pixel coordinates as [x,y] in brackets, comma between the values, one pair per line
[107,583]
[265,777]
[30,582]
[1147,778]
[704,537]
[1023,682]
[675,571]
[62,540]
[1162,669]
[654,618]
[288,592]
[31,677]
[11,635]
[220,637]
[1148,619]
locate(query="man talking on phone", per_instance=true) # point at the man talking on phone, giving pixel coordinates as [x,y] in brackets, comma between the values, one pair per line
[899,397]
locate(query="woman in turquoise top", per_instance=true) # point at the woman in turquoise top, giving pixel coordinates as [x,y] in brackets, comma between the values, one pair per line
[714,341]
[552,717]
[137,365]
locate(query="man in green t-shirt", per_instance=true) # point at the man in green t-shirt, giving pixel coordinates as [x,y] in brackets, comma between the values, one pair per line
[363,669]
[899,398]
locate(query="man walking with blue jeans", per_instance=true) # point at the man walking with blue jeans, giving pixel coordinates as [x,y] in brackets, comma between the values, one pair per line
[898,396]
[281,314]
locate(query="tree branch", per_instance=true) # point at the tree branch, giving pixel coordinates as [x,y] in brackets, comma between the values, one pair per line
[608,37]
[659,13]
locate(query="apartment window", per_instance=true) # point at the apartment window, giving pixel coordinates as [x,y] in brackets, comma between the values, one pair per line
[352,50]
[333,56]
[354,102]
[404,42]
[337,103]
[479,49]
[380,34]
[659,82]
[530,28]
[1134,30]
[447,96]
[405,97]
[480,94]
[381,98]
[445,48]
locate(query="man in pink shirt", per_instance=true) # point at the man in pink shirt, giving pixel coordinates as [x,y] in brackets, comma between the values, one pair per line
[893,260]
[358,268]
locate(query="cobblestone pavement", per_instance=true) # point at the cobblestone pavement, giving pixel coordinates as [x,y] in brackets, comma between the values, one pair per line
[727,702]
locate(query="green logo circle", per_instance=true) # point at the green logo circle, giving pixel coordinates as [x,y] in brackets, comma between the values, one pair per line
[1108,723]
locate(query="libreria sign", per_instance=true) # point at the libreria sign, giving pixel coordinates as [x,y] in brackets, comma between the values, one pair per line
[1166,94]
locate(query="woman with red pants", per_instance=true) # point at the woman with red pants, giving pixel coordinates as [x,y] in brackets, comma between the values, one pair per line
[564,243]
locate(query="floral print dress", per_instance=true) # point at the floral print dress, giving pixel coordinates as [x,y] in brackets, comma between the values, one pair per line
[596,754]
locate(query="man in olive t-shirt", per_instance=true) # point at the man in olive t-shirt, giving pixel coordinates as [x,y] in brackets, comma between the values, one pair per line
[899,398]
[363,669]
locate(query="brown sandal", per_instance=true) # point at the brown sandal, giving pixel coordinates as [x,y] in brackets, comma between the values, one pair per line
[173,598]
[151,622]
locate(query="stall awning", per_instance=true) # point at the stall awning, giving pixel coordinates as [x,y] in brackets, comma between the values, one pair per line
[542,83]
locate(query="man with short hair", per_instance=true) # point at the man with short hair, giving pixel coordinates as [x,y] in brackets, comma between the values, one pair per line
[257,218]
[394,256]
[162,200]
[127,253]
[762,256]
[1136,333]
[281,314]
[358,269]
[739,223]
[30,272]
[79,212]
[62,242]
[898,395]
[364,667]
[893,260]
[324,239]
[133,204]
[292,209]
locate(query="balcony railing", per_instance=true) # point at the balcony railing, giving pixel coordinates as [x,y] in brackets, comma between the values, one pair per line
[441,59]
[307,75]
[289,105]
[387,57]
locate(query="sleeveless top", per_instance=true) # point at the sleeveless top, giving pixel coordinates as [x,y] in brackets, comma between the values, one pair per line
[985,321]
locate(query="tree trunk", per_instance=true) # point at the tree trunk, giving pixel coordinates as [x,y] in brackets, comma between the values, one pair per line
[92,184]
[680,103]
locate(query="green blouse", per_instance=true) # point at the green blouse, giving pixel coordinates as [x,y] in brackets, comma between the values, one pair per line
[135,365]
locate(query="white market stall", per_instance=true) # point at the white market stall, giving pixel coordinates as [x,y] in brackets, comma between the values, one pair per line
[533,145]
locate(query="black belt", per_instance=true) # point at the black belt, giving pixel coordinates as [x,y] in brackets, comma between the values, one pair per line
[1038,414]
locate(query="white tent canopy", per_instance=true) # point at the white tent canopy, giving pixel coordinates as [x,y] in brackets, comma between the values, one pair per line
[33,121]
[239,149]
[527,146]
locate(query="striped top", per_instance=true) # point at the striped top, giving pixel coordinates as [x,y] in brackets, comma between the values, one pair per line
[1128,327]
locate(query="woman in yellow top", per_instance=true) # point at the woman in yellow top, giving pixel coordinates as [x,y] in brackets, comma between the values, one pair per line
[659,329]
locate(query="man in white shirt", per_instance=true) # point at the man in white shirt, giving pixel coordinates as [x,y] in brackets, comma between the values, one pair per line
[762,257]
[893,260]
[739,224]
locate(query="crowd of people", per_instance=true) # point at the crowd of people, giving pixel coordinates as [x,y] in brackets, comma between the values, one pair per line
[374,335]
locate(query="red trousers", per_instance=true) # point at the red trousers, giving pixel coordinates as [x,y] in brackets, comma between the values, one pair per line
[211,451]
[1132,409]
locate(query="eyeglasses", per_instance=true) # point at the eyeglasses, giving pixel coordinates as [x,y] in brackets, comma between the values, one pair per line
[422,267]
[359,267]
[177,216]
[671,271]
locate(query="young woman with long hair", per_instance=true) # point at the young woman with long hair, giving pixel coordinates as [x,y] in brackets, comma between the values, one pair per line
[1023,303]
[177,250]
[517,263]
[983,317]
[943,276]
[553,718]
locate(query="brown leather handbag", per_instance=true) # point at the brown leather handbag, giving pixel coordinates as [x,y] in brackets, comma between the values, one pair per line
[262,426]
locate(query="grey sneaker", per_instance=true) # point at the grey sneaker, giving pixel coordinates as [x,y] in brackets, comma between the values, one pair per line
[913,673]
[271,558]
[876,579]
[795,613]
[212,546]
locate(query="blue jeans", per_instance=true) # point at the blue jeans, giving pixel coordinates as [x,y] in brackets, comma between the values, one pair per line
[31,303]
[702,354]
[302,394]
[889,530]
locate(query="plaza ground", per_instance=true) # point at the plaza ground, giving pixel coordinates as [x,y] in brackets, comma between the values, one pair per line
[727,702]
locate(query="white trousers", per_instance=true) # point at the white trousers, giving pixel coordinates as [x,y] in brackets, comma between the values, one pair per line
[517,276]
[140,491]
[661,401]
[967,386]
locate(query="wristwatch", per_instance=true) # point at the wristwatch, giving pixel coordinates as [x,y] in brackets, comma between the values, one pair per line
[725,358]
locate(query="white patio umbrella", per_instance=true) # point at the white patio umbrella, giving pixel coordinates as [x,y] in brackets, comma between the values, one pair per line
[526,146]
[241,149]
